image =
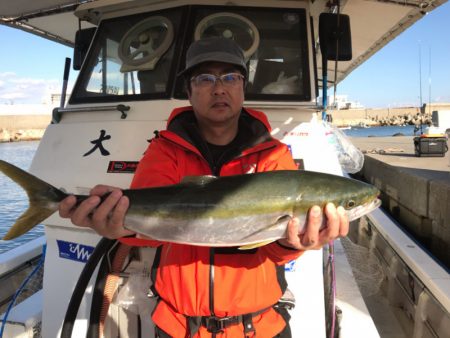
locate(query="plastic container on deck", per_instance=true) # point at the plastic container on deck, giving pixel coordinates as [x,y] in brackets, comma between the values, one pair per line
[430,146]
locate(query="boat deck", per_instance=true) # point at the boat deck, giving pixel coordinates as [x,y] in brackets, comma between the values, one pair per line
[415,190]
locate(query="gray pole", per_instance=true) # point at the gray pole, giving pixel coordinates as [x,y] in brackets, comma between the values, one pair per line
[420,88]
[429,81]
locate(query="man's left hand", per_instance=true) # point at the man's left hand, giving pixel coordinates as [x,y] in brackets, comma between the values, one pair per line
[313,237]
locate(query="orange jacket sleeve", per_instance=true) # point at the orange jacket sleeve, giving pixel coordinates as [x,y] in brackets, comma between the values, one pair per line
[156,168]
[279,254]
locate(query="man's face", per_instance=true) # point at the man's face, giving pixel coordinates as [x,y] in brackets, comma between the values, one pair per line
[219,103]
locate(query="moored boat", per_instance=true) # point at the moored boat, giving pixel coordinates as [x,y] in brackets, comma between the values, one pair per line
[129,54]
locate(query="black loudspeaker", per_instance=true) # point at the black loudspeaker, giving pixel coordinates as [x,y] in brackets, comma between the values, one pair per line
[83,38]
[335,36]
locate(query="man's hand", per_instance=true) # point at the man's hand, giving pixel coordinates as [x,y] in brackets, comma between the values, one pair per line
[106,218]
[313,237]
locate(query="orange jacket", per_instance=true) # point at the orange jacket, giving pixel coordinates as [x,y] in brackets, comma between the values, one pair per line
[202,281]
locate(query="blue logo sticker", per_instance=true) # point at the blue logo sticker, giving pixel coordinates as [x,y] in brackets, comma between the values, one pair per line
[290,266]
[74,251]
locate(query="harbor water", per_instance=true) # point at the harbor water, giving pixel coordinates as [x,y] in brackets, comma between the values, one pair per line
[13,200]
[380,131]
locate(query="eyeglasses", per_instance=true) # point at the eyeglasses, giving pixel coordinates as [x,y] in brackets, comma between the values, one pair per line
[209,80]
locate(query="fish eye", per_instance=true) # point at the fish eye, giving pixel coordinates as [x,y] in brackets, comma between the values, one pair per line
[350,204]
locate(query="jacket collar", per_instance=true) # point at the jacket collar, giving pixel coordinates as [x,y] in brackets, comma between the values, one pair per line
[260,116]
[254,127]
[254,133]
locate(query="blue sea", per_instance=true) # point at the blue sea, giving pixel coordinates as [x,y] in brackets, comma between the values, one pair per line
[380,131]
[13,200]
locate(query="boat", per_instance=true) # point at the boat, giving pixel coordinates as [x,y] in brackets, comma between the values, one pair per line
[441,122]
[360,125]
[128,54]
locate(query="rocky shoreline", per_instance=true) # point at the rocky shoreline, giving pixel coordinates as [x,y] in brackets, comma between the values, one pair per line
[406,119]
[375,121]
[21,135]
[16,128]
[390,116]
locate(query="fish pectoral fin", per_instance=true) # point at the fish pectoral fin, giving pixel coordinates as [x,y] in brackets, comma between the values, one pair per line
[281,220]
[255,245]
[198,180]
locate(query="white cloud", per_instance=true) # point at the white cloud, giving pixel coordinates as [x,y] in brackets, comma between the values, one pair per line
[19,90]
[12,95]
[7,74]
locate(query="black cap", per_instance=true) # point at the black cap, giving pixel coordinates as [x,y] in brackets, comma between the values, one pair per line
[214,50]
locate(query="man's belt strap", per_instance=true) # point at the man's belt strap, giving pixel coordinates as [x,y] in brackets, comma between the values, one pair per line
[218,324]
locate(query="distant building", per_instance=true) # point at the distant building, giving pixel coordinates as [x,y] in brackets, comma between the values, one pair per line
[55,99]
[45,108]
[342,102]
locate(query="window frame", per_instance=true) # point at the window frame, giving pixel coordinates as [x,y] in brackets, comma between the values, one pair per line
[183,36]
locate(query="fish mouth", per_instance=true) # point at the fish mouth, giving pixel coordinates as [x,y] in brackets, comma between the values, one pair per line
[363,209]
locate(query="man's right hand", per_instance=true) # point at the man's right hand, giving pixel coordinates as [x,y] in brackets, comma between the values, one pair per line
[106,218]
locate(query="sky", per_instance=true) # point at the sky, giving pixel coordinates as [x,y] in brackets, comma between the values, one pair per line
[33,67]
[30,67]
[391,77]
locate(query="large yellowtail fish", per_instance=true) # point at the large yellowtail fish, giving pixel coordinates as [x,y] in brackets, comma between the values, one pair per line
[241,210]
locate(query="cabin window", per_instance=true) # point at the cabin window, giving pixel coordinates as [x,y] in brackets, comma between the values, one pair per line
[132,58]
[274,43]
[137,57]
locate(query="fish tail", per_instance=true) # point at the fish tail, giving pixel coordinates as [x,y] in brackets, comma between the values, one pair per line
[43,199]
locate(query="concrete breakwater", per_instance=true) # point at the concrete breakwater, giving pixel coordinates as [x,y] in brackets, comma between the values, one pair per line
[379,117]
[23,127]
[415,190]
[386,116]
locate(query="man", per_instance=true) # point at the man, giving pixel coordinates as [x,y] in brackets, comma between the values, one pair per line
[202,291]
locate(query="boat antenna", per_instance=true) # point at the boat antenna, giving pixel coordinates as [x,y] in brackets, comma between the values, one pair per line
[420,89]
[65,80]
[429,80]
[324,86]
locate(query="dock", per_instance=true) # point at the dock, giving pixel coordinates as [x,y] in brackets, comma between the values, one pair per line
[415,190]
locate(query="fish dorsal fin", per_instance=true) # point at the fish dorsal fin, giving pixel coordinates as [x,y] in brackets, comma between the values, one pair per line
[198,180]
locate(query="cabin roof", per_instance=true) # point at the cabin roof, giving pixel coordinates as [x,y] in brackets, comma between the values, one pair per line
[374,23]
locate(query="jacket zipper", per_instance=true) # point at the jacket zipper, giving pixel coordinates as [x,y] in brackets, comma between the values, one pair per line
[211,281]
[211,250]
[215,169]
